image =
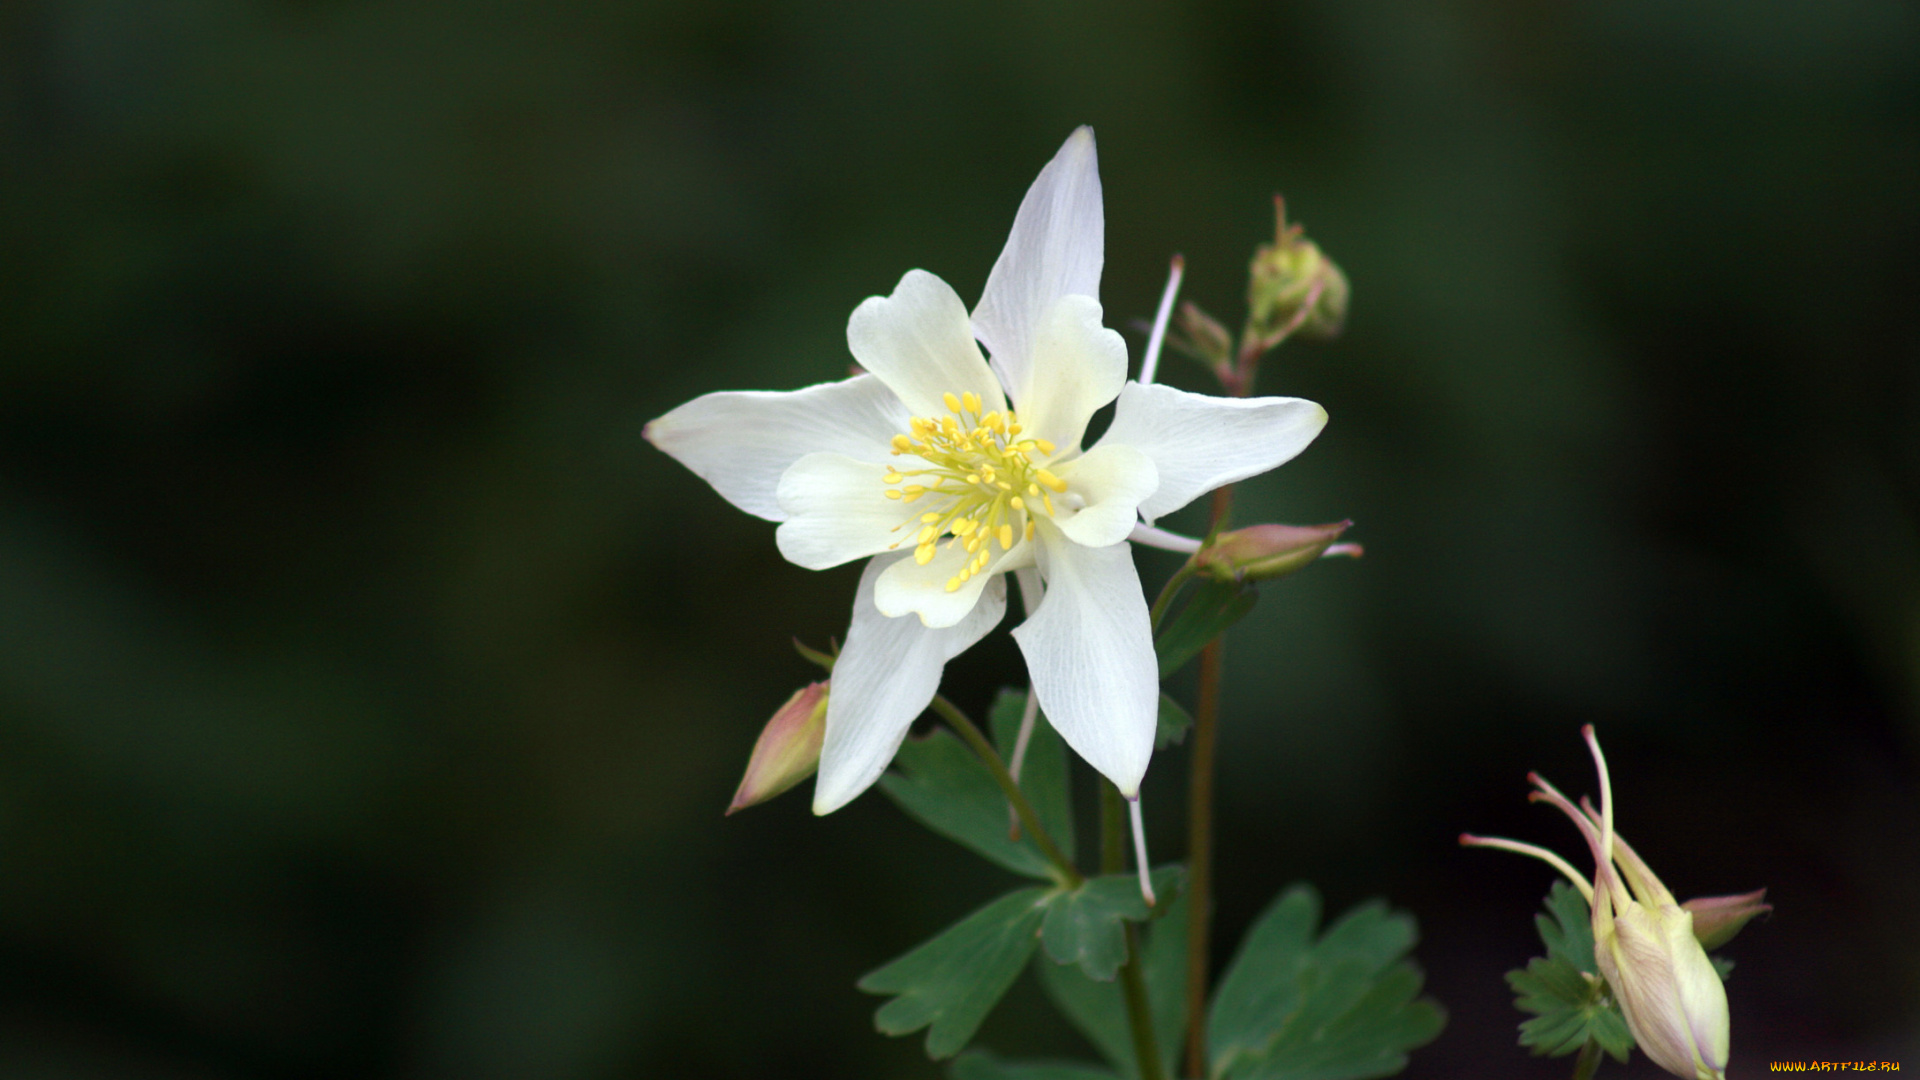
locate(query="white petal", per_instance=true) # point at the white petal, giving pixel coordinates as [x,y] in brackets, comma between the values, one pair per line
[907,588]
[837,512]
[887,673]
[1113,479]
[740,441]
[918,341]
[1090,655]
[1200,442]
[1055,249]
[1078,366]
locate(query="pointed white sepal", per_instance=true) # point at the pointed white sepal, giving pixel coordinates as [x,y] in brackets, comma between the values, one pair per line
[742,441]
[1200,442]
[886,675]
[1056,249]
[1089,652]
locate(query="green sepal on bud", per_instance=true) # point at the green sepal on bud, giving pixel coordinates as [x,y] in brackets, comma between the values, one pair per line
[814,656]
[788,750]
[1293,288]
[1265,552]
[1716,919]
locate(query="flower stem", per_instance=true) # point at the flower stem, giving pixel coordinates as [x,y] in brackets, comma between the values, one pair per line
[1206,726]
[1113,828]
[1133,985]
[1206,716]
[1167,592]
[1588,1062]
[1069,875]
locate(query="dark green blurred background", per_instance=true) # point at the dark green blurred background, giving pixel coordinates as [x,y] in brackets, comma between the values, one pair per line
[370,692]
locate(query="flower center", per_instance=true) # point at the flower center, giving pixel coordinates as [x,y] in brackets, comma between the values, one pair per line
[981,482]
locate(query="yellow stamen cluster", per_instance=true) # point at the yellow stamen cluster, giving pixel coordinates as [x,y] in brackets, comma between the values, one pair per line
[981,480]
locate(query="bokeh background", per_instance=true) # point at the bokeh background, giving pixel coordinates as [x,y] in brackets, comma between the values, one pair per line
[370,692]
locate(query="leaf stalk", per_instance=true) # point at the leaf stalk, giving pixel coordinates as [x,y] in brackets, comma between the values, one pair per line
[1069,875]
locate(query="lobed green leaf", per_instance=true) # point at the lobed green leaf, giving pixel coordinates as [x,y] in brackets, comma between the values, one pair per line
[949,983]
[980,1065]
[1342,1006]
[1098,1011]
[1215,606]
[1563,990]
[1085,926]
[1567,928]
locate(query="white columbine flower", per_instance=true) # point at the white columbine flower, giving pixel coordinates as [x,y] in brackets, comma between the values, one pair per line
[949,472]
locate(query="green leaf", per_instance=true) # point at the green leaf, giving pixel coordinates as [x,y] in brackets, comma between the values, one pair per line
[942,784]
[1722,966]
[1043,775]
[1567,928]
[1098,1010]
[1215,606]
[950,983]
[1174,722]
[1563,989]
[1085,925]
[980,1065]
[1339,1007]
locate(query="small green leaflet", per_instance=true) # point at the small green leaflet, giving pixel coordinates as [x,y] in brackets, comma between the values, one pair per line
[1215,606]
[1098,1011]
[954,980]
[1567,928]
[944,786]
[950,983]
[1085,926]
[1563,989]
[980,1065]
[1342,1007]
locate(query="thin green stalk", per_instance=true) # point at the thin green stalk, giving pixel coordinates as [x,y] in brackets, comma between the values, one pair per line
[1113,828]
[1206,727]
[1168,591]
[1588,1062]
[967,730]
[1206,724]
[1133,986]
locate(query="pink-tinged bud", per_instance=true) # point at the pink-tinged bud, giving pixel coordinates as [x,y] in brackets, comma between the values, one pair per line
[788,750]
[1717,918]
[1645,944]
[1263,552]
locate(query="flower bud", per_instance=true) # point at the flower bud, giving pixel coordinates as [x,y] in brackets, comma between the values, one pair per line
[1202,337]
[788,750]
[1293,288]
[1263,552]
[1645,944]
[1717,918]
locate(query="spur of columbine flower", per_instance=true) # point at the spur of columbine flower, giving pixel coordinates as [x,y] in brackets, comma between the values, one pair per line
[1644,943]
[949,472]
